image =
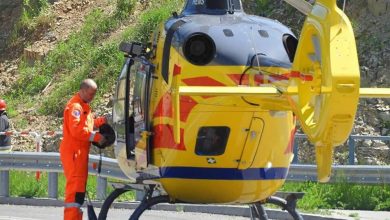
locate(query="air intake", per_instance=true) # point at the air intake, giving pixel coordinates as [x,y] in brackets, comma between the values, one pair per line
[199,49]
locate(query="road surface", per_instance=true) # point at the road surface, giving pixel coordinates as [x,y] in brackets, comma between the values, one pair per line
[11,212]
[19,212]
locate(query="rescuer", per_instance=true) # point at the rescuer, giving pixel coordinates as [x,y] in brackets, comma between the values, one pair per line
[5,141]
[78,133]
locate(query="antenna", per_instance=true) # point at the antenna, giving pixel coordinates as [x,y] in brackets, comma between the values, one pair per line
[345,2]
[301,5]
[231,7]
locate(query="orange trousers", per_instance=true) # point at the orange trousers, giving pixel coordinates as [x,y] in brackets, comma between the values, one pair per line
[75,164]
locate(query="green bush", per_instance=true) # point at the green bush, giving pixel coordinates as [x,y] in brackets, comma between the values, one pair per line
[123,8]
[150,19]
[30,187]
[341,195]
[35,17]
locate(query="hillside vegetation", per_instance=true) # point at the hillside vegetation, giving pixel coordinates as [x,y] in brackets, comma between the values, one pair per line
[89,52]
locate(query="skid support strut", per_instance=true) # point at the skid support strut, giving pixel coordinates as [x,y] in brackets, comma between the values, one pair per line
[289,204]
[147,202]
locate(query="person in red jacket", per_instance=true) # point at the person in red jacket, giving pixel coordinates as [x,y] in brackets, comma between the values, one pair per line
[78,133]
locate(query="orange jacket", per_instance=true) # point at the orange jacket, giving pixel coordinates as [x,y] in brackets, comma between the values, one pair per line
[78,126]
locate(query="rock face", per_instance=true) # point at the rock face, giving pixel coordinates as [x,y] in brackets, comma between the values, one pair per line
[10,11]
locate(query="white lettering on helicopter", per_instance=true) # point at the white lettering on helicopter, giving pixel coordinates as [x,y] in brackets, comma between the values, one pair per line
[198,2]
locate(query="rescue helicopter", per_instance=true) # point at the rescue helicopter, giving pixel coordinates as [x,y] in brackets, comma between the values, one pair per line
[206,113]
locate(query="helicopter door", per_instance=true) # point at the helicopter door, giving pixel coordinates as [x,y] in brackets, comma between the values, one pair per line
[130,112]
[252,143]
[140,85]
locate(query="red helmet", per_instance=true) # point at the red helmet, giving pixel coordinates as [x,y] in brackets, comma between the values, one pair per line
[3,105]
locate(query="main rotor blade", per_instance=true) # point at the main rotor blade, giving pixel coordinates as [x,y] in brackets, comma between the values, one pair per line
[374,92]
[228,91]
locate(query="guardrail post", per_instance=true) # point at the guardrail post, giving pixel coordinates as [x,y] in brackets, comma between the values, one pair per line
[295,150]
[4,183]
[53,185]
[139,195]
[351,144]
[101,188]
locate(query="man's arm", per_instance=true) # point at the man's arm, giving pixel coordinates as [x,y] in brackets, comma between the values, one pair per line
[79,130]
[99,121]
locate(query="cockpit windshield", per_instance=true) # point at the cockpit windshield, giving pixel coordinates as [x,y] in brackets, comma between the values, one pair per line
[214,7]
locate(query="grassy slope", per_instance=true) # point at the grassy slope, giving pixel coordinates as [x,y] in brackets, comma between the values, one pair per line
[86,53]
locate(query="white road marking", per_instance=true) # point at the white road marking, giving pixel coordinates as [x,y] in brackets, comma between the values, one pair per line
[15,218]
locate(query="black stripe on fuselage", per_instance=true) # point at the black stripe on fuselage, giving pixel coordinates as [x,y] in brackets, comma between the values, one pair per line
[167,48]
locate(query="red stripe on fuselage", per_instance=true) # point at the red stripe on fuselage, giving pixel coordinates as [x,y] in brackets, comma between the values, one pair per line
[260,78]
[290,145]
[202,81]
[186,106]
[240,79]
[163,137]
[164,107]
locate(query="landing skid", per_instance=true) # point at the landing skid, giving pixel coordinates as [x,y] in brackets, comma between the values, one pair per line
[147,202]
[257,210]
[288,204]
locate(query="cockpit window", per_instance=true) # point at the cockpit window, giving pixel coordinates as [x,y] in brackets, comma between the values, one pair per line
[213,7]
[216,5]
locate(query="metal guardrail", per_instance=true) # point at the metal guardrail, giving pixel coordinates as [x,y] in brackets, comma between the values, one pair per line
[351,141]
[362,174]
[351,145]
[50,162]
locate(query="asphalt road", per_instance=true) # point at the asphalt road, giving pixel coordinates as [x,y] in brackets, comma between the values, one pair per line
[10,212]
[19,212]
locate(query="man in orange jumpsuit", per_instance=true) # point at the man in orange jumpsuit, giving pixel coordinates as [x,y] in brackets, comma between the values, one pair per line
[78,133]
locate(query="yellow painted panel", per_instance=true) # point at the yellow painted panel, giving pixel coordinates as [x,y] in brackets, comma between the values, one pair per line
[251,144]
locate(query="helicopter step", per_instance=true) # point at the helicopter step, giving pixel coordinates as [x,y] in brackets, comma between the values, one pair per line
[286,200]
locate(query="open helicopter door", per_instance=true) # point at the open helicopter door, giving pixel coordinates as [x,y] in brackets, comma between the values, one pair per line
[131,107]
[140,82]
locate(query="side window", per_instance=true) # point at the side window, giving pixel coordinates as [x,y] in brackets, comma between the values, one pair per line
[138,83]
[212,141]
[119,114]
[119,105]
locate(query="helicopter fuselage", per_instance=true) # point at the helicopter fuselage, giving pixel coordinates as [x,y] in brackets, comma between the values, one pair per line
[231,149]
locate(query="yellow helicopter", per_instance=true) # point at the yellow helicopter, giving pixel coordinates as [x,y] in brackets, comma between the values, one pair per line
[207,112]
